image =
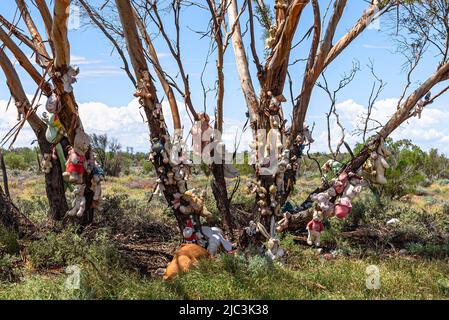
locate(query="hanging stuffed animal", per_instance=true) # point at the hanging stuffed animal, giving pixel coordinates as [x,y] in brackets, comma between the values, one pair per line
[323,199]
[79,202]
[343,207]
[176,202]
[341,183]
[97,179]
[46,164]
[69,78]
[201,132]
[314,228]
[75,167]
[216,241]
[420,106]
[307,136]
[354,187]
[20,106]
[283,223]
[273,202]
[332,165]
[271,38]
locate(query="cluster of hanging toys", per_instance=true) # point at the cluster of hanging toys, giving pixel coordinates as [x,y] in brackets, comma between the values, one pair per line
[76,163]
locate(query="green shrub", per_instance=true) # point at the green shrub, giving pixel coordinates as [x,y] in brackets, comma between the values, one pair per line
[8,241]
[8,270]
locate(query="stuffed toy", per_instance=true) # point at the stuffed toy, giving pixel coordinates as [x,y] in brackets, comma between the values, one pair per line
[354,187]
[189,232]
[46,164]
[273,202]
[69,78]
[307,136]
[201,133]
[271,39]
[97,179]
[314,228]
[216,241]
[20,106]
[341,183]
[343,207]
[143,87]
[53,104]
[275,102]
[323,199]
[420,106]
[79,202]
[180,178]
[332,165]
[160,188]
[75,167]
[251,229]
[283,223]
[176,202]
[380,163]
[274,250]
[55,130]
[187,256]
[195,204]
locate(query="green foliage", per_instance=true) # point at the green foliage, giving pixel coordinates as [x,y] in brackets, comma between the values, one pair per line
[58,250]
[8,241]
[20,159]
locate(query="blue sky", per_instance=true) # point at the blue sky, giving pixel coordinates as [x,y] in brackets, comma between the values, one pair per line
[105,93]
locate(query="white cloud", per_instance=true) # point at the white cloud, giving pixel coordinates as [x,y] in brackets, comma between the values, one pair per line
[124,123]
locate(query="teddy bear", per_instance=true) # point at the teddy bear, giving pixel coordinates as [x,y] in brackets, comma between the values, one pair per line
[75,167]
[195,204]
[46,164]
[273,202]
[332,165]
[315,227]
[79,202]
[215,240]
[307,136]
[176,202]
[69,78]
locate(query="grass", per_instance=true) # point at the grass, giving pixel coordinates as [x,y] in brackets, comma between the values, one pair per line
[236,277]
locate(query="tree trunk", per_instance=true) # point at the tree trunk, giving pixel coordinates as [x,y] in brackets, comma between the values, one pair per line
[219,189]
[54,183]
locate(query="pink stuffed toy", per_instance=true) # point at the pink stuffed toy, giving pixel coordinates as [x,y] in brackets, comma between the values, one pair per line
[343,208]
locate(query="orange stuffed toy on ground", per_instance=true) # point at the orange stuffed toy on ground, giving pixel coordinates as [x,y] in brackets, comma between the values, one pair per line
[187,255]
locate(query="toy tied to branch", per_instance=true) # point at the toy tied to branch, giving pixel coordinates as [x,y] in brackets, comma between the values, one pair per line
[376,164]
[76,163]
[273,245]
[79,202]
[68,77]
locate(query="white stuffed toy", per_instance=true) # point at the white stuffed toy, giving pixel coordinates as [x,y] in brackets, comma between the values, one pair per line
[216,240]
[274,250]
[79,203]
[314,229]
